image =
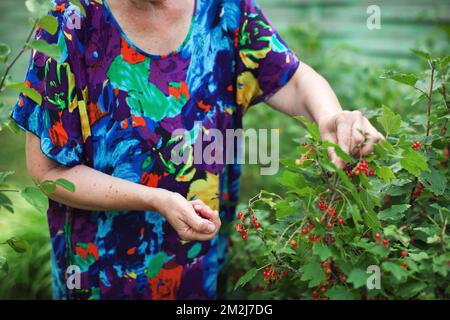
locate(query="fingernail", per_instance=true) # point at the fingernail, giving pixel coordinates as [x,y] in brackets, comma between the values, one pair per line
[211,227]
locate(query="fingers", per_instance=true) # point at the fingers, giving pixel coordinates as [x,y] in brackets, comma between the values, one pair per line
[197,230]
[199,224]
[372,138]
[206,212]
[353,133]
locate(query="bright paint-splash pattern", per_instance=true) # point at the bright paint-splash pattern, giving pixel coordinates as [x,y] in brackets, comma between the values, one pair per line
[109,105]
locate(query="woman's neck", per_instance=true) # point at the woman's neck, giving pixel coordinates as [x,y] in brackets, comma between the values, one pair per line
[146,4]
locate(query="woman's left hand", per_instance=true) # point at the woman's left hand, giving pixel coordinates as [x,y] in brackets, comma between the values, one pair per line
[351,131]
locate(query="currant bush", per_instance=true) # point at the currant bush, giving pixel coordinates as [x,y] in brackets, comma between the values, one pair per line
[388,211]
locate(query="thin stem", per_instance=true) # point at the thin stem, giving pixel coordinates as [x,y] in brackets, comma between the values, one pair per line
[430,100]
[21,52]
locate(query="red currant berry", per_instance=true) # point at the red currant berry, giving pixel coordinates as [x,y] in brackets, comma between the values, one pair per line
[294,244]
[403,254]
[304,231]
[329,225]
[340,221]
[377,236]
[240,214]
[385,243]
[404,264]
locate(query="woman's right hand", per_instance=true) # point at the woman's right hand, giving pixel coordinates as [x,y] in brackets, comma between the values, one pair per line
[191,220]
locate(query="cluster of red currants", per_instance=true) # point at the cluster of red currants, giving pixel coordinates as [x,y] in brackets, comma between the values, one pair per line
[241,226]
[270,274]
[312,237]
[384,242]
[331,212]
[361,167]
[416,193]
[404,254]
[416,145]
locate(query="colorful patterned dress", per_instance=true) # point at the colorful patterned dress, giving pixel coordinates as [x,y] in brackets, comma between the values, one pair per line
[113,107]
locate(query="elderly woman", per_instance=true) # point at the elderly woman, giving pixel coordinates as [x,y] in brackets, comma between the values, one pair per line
[139,225]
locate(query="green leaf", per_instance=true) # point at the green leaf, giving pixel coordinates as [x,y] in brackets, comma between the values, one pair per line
[434,181]
[396,270]
[385,173]
[312,272]
[66,184]
[4,267]
[392,232]
[341,153]
[51,50]
[155,264]
[394,212]
[444,62]
[247,277]
[411,289]
[49,23]
[4,175]
[339,293]
[292,180]
[19,246]
[358,277]
[310,126]
[422,54]
[13,127]
[322,251]
[390,121]
[5,51]
[35,197]
[413,162]
[408,79]
[38,9]
[26,90]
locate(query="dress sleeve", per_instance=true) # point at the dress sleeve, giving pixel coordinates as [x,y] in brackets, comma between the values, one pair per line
[56,120]
[264,63]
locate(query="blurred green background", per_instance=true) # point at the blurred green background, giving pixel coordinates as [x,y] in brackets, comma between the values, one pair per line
[331,36]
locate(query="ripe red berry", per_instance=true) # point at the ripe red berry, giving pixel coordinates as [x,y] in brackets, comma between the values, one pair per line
[329,225]
[340,221]
[257,225]
[312,237]
[385,243]
[245,236]
[315,295]
[404,254]
[304,231]
[294,244]
[416,145]
[377,235]
[404,264]
[322,198]
[240,214]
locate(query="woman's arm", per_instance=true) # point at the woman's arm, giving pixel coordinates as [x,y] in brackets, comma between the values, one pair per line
[98,191]
[309,94]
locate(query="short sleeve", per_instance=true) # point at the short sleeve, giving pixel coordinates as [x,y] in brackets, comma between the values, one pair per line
[264,63]
[56,120]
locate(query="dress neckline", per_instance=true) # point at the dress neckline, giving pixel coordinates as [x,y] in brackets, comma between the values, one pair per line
[143,52]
